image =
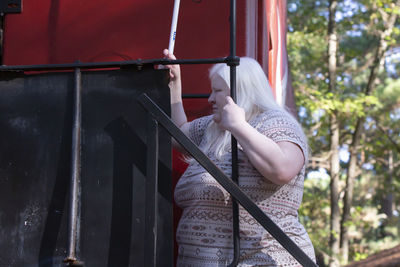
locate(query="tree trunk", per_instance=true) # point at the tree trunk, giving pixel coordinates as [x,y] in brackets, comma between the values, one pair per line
[351,171]
[334,141]
[334,187]
[348,195]
[387,201]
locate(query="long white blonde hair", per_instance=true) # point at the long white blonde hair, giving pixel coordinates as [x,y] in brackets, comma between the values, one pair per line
[253,93]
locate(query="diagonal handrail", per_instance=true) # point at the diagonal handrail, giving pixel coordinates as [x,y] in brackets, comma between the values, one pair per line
[226,183]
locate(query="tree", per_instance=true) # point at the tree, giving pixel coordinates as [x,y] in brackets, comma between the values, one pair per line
[334,139]
[346,103]
[388,17]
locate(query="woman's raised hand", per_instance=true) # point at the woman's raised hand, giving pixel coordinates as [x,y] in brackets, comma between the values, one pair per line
[230,116]
[177,111]
[175,75]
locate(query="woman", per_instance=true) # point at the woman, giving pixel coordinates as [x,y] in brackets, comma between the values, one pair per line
[272,152]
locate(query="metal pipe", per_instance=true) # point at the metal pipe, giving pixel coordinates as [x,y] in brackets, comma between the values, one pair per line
[195,95]
[235,172]
[75,184]
[118,64]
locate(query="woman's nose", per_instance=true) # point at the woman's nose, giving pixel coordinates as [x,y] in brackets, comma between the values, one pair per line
[211,99]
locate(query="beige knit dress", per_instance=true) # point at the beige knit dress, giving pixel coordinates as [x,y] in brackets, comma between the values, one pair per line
[204,234]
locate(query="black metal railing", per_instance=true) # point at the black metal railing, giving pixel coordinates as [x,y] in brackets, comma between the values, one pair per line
[75,182]
[234,152]
[151,210]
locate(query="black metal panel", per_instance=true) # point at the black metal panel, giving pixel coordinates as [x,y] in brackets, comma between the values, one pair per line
[35,159]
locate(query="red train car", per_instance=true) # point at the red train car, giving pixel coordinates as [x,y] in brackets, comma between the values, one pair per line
[57,31]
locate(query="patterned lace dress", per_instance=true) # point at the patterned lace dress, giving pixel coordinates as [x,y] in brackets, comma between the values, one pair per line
[204,233]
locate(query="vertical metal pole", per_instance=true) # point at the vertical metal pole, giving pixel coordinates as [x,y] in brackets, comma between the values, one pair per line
[235,173]
[151,209]
[75,185]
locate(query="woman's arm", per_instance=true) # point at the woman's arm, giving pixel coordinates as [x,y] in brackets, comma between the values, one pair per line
[278,162]
[178,114]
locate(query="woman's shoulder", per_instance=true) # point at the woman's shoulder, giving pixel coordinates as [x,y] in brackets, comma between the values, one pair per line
[197,128]
[280,126]
[275,121]
[202,121]
[275,117]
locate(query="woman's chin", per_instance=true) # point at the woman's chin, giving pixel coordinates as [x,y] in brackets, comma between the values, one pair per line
[216,118]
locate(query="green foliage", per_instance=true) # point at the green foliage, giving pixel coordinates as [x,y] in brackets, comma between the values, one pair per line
[314,212]
[389,93]
[313,11]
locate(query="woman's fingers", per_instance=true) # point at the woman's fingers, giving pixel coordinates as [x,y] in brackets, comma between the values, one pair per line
[174,69]
[175,84]
[168,55]
[222,101]
[230,115]
[229,100]
[165,52]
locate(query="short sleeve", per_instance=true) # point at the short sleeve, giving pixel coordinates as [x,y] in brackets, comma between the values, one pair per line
[279,126]
[197,128]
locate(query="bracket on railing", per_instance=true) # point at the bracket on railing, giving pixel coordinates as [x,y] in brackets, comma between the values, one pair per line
[10,6]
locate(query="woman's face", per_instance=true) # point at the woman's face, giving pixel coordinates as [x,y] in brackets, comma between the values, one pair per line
[219,92]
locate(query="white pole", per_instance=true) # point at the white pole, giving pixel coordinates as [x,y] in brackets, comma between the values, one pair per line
[173,27]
